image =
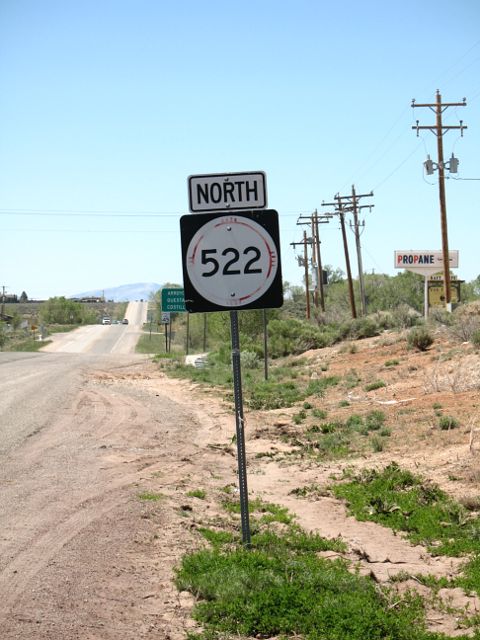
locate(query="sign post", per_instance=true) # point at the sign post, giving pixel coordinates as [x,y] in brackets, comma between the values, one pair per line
[231,261]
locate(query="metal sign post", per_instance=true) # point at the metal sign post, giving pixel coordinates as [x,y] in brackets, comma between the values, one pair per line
[240,430]
[231,261]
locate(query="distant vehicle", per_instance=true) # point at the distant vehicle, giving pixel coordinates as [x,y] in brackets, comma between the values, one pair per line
[125,321]
[106,320]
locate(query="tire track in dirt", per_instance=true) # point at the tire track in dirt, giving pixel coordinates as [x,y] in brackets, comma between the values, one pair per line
[68,476]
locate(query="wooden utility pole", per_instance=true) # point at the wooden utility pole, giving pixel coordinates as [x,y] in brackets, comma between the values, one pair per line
[3,300]
[313,221]
[363,296]
[304,262]
[438,107]
[350,204]
[316,236]
[341,214]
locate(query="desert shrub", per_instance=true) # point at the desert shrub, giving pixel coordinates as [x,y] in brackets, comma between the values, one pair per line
[420,338]
[376,384]
[447,422]
[404,316]
[294,336]
[365,328]
[475,339]
[391,363]
[465,326]
[441,316]
[249,360]
[375,419]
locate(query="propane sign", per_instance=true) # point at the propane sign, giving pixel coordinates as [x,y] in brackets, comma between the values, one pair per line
[424,259]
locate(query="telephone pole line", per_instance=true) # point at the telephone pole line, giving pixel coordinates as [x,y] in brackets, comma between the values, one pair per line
[438,107]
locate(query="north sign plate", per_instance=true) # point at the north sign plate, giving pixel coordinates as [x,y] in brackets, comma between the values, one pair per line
[227,191]
[231,261]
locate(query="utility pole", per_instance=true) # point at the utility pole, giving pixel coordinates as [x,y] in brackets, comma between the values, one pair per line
[438,107]
[3,300]
[304,262]
[350,204]
[341,214]
[314,220]
[355,209]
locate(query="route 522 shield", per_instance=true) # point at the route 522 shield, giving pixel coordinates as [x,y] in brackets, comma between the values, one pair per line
[231,261]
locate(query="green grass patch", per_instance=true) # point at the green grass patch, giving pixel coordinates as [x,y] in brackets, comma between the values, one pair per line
[265,511]
[149,496]
[197,493]
[336,439]
[392,363]
[376,384]
[281,587]
[27,345]
[400,500]
[154,343]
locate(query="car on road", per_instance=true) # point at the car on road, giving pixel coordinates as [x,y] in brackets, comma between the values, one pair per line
[125,321]
[106,320]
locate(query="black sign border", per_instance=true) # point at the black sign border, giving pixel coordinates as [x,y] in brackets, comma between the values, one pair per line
[190,224]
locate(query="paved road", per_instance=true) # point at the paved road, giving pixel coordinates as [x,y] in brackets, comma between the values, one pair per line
[37,387]
[101,340]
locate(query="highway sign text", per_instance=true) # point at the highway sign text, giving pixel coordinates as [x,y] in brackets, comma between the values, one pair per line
[173,300]
[433,259]
[227,191]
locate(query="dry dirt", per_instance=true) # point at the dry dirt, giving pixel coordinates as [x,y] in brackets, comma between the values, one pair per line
[89,557]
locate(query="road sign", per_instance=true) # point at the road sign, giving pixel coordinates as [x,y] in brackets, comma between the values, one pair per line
[424,259]
[173,300]
[165,317]
[227,191]
[231,261]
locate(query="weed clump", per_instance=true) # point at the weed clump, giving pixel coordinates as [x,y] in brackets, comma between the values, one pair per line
[376,384]
[420,338]
[447,422]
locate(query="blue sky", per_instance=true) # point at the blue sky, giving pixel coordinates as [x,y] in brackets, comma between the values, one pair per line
[109,105]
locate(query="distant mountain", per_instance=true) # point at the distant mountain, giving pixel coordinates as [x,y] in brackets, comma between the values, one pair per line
[123,293]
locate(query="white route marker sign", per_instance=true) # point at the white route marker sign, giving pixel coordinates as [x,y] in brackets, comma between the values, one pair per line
[231,261]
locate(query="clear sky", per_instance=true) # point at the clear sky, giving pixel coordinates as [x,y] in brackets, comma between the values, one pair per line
[107,106]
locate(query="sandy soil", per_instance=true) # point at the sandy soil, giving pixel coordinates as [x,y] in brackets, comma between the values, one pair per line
[85,555]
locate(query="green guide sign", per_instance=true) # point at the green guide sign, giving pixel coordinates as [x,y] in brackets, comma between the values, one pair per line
[173,300]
